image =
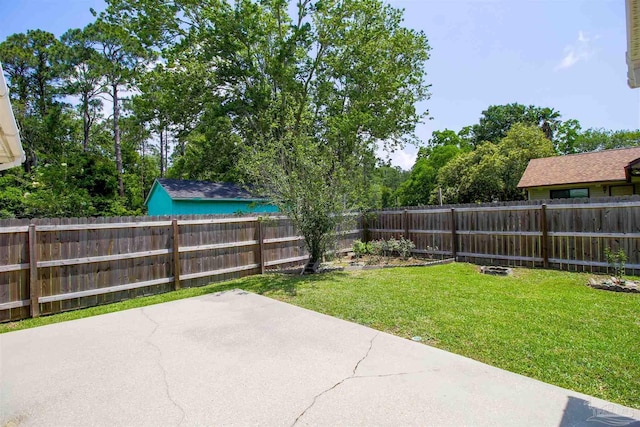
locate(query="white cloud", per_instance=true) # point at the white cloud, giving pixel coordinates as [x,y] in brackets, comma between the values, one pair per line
[581,50]
[404,158]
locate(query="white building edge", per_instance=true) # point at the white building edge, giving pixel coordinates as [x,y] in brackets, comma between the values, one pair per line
[11,152]
[633,42]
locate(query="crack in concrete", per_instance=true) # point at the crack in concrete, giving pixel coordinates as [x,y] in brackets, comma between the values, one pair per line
[161,365]
[353,375]
[387,375]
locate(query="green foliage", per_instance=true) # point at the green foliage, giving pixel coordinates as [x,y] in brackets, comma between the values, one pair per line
[497,120]
[383,185]
[405,247]
[423,181]
[375,247]
[616,260]
[360,248]
[289,98]
[492,171]
[390,247]
[602,139]
[567,137]
[493,154]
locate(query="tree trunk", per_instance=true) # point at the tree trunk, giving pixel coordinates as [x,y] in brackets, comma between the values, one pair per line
[142,162]
[161,153]
[166,149]
[116,139]
[86,123]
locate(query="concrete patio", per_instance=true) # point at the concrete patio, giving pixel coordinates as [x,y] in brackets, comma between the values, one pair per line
[237,358]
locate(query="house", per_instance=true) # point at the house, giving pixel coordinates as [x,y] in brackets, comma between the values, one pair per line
[11,153]
[633,42]
[595,174]
[185,197]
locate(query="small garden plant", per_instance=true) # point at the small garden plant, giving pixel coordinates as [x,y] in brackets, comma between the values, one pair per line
[616,260]
[382,248]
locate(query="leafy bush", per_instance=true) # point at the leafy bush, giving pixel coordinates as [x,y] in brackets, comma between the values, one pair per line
[360,248]
[616,260]
[385,248]
[404,247]
[376,247]
[389,247]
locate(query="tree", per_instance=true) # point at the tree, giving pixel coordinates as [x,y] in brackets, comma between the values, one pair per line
[492,171]
[603,139]
[83,77]
[442,147]
[384,184]
[120,59]
[567,137]
[521,144]
[310,95]
[32,64]
[496,121]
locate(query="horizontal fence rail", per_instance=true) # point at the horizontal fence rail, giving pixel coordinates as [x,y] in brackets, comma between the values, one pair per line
[53,265]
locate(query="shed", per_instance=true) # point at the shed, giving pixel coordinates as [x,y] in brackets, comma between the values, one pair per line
[595,174]
[187,197]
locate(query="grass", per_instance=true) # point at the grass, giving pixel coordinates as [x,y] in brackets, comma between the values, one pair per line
[543,324]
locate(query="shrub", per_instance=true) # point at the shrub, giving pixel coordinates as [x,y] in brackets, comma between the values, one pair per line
[390,246]
[405,246]
[382,247]
[360,248]
[375,247]
[616,260]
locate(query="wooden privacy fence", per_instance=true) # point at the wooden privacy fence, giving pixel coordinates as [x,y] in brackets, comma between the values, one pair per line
[567,236]
[53,265]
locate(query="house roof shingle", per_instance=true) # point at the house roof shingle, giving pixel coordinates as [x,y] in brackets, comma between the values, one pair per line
[188,189]
[607,165]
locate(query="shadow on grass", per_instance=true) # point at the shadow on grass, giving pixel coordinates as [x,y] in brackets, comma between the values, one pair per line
[276,283]
[260,284]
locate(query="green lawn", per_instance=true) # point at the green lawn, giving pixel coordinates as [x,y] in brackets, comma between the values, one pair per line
[543,324]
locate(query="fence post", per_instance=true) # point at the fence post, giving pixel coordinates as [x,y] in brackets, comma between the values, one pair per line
[34,290]
[454,235]
[260,244]
[544,249]
[176,253]
[365,227]
[405,222]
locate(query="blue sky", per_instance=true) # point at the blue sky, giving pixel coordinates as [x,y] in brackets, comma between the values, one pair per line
[565,54]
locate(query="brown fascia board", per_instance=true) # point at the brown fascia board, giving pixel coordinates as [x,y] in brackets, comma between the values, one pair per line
[572,183]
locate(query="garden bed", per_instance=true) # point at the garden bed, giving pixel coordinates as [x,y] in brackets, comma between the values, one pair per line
[615,284]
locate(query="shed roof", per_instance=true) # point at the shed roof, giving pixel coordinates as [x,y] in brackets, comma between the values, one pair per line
[599,166]
[190,189]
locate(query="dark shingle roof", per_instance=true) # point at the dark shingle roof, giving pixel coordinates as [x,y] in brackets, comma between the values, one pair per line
[188,189]
[597,166]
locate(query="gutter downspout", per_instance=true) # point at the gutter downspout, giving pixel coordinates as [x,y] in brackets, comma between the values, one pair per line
[9,133]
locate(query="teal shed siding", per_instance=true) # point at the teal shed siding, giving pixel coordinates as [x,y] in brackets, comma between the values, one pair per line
[160,203]
[203,207]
